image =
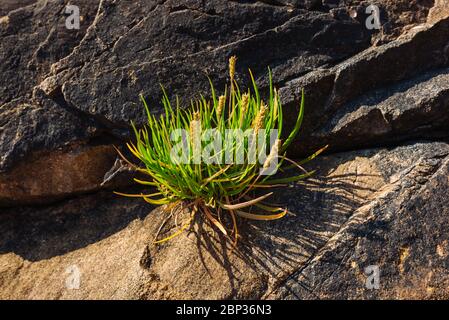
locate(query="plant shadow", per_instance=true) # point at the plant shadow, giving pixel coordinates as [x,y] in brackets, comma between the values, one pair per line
[39,233]
[276,249]
[270,250]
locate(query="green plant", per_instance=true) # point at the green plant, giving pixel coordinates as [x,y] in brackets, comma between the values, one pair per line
[214,189]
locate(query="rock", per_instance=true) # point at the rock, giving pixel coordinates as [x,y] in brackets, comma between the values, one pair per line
[403,233]
[56,175]
[34,125]
[95,74]
[378,73]
[34,37]
[28,127]
[193,36]
[355,211]
[58,239]
[32,170]
[9,5]
[412,108]
[439,11]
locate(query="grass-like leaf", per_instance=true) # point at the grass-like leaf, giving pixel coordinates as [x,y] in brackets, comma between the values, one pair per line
[214,187]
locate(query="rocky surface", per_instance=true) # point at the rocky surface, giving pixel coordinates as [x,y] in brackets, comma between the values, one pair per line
[10,5]
[67,96]
[362,208]
[403,232]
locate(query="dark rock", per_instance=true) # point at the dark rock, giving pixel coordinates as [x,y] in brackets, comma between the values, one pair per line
[413,108]
[28,127]
[97,72]
[9,5]
[174,44]
[48,153]
[33,125]
[379,73]
[34,37]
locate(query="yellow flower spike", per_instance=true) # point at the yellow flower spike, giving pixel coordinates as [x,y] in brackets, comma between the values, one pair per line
[232,62]
[260,118]
[273,153]
[221,104]
[244,104]
[196,116]
[194,125]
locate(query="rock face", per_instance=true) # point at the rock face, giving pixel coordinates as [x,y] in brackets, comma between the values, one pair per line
[67,96]
[403,234]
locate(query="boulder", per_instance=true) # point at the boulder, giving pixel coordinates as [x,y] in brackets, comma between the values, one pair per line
[10,5]
[402,236]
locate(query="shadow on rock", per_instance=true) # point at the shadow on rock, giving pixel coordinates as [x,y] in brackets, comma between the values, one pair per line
[203,263]
[41,233]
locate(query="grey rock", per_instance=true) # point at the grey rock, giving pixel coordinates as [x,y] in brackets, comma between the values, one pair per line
[376,72]
[28,127]
[34,37]
[10,5]
[409,109]
[66,97]
[173,43]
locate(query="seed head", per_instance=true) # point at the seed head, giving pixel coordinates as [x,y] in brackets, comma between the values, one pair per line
[273,153]
[260,118]
[194,130]
[221,104]
[245,102]
[232,62]
[244,105]
[196,116]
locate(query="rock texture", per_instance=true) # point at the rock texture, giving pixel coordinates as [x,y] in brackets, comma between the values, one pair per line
[379,98]
[363,208]
[439,11]
[403,232]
